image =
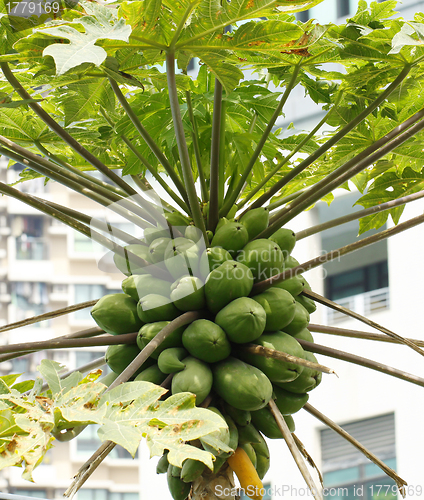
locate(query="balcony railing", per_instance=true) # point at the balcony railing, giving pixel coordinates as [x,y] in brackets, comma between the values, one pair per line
[363,303]
[31,248]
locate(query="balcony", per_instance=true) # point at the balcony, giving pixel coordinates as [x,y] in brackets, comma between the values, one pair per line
[31,248]
[363,303]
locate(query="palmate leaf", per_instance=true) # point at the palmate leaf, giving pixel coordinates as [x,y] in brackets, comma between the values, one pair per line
[29,423]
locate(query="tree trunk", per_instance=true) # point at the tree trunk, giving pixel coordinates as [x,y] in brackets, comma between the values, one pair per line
[218,486]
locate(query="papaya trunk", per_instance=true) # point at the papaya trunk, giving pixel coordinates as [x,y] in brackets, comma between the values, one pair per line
[218,486]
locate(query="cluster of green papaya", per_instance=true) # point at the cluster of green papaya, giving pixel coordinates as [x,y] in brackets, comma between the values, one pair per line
[208,357]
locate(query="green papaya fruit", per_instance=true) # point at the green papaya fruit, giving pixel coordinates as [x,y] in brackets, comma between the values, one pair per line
[151,374]
[289,402]
[176,219]
[209,234]
[299,322]
[221,222]
[116,314]
[243,320]
[175,470]
[170,360]
[150,330]
[177,487]
[262,456]
[263,257]
[154,307]
[305,334]
[308,379]
[307,303]
[206,340]
[285,239]
[162,465]
[153,233]
[289,263]
[232,236]
[293,285]
[240,417]
[255,221]
[196,378]
[249,434]
[193,233]
[212,258]
[182,257]
[264,422]
[119,356]
[275,369]
[140,285]
[280,308]
[191,470]
[241,385]
[188,293]
[123,261]
[248,448]
[227,282]
[157,249]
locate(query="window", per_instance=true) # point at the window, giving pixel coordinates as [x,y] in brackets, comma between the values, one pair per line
[85,357]
[348,474]
[30,244]
[343,8]
[84,293]
[30,493]
[303,16]
[29,299]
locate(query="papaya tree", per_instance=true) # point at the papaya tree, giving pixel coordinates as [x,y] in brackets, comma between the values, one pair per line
[208,343]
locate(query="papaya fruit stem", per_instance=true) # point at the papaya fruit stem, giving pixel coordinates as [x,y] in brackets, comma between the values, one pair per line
[308,457]
[267,352]
[328,422]
[358,334]
[359,360]
[282,425]
[358,215]
[363,319]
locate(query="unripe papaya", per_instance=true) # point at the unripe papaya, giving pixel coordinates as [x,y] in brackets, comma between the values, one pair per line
[293,285]
[285,239]
[188,293]
[222,435]
[280,308]
[308,379]
[307,303]
[152,233]
[265,422]
[262,457]
[232,236]
[162,465]
[177,487]
[170,360]
[227,282]
[232,212]
[212,258]
[222,221]
[289,402]
[175,470]
[248,448]
[299,322]
[193,233]
[206,341]
[118,357]
[150,330]
[248,434]
[275,369]
[243,320]
[140,285]
[241,385]
[176,219]
[255,221]
[240,417]
[196,378]
[233,442]
[123,261]
[289,263]
[151,374]
[209,234]
[116,314]
[182,257]
[157,249]
[263,257]
[191,470]
[305,334]
[154,307]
